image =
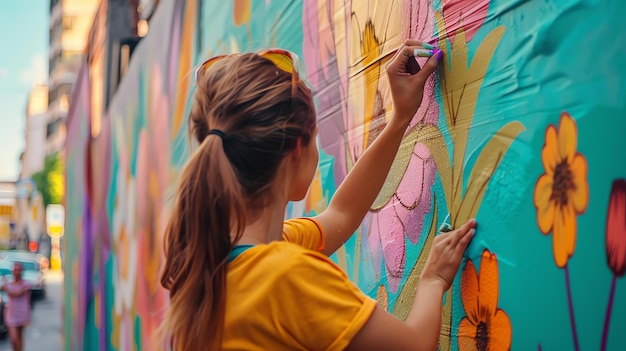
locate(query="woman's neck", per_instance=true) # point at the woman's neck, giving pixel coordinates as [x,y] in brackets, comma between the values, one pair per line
[267,227]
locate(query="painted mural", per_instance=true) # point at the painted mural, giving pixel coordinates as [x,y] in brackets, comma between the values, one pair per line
[522,128]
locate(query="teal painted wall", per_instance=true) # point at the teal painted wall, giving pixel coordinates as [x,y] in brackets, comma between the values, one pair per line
[522,127]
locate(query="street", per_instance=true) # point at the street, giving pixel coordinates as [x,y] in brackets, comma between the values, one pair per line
[45,331]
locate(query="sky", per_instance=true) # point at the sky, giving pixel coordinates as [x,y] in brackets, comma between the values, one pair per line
[23,62]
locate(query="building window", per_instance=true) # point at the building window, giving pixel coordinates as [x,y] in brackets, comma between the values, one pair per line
[63,92]
[65,89]
[70,54]
[51,66]
[58,28]
[64,103]
[68,22]
[53,127]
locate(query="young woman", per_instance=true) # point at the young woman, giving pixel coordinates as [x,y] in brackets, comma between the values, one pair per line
[17,311]
[241,278]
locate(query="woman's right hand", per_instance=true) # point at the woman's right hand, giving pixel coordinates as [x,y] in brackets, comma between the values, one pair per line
[446,254]
[407,90]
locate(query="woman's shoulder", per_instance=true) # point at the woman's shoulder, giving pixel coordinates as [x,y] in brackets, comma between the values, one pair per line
[283,257]
[292,253]
[293,257]
[306,232]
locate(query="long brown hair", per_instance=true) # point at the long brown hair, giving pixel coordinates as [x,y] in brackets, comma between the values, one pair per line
[224,183]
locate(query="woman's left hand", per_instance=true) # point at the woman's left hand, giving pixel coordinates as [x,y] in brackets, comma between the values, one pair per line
[407,90]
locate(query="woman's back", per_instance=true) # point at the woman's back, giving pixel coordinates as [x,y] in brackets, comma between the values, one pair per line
[288,296]
[254,121]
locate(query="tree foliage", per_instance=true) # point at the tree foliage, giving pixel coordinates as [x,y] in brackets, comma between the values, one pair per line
[50,180]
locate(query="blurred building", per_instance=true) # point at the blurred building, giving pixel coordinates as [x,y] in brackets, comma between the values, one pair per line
[116,31]
[70,22]
[35,133]
[28,221]
[102,33]
[8,212]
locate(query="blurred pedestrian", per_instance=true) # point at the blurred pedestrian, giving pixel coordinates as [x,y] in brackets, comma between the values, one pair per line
[18,309]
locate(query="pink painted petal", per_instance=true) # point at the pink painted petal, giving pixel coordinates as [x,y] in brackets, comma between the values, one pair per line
[391,231]
[422,17]
[414,194]
[423,207]
[403,215]
[393,281]
[311,44]
[421,22]
[408,196]
[469,15]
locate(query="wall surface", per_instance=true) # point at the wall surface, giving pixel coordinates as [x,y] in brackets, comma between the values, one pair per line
[522,127]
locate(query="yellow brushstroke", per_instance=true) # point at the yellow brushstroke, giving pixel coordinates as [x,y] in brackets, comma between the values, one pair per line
[382,297]
[467,97]
[370,51]
[342,258]
[96,307]
[316,199]
[123,253]
[460,86]
[431,136]
[398,168]
[485,166]
[446,323]
[115,332]
[184,65]
[152,251]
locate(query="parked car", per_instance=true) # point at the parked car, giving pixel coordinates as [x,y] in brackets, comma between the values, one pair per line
[32,273]
[43,261]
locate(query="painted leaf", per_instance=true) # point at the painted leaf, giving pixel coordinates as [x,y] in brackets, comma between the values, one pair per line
[467,93]
[433,139]
[484,168]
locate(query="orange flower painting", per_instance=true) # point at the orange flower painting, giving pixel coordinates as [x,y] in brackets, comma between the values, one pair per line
[562,192]
[485,326]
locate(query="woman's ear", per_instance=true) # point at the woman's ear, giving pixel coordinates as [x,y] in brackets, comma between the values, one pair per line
[296,153]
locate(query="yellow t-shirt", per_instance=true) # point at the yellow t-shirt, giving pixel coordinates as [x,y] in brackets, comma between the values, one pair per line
[287,296]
